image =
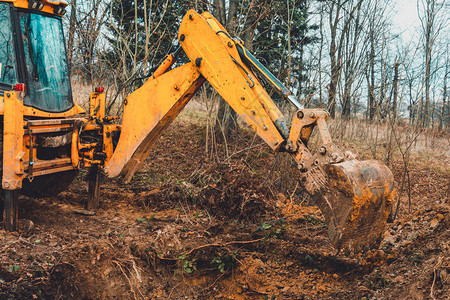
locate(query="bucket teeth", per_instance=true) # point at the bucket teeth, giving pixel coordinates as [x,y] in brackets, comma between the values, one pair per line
[355,197]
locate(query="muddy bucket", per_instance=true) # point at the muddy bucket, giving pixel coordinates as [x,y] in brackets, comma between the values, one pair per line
[355,197]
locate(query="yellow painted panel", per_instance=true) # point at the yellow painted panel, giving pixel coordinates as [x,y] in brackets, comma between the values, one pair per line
[30,111]
[147,112]
[13,131]
[48,5]
[97,105]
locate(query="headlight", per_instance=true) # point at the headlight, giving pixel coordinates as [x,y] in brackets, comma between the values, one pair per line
[33,4]
[59,10]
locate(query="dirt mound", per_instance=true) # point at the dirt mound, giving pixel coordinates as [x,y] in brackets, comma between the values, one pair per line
[414,256]
[225,191]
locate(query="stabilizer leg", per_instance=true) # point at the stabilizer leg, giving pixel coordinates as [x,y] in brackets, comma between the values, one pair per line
[93,201]
[11,210]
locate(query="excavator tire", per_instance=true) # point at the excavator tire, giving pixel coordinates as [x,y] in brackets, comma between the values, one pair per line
[355,198]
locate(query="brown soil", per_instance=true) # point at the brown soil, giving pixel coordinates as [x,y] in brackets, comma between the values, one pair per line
[207,224]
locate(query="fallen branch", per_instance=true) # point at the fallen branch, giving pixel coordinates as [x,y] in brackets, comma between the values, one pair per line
[128,279]
[436,266]
[84,212]
[209,245]
[221,245]
[243,150]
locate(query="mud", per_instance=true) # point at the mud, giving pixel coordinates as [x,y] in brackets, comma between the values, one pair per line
[202,224]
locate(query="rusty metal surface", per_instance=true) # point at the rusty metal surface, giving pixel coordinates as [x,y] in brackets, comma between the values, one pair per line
[53,170]
[48,122]
[50,141]
[42,164]
[355,198]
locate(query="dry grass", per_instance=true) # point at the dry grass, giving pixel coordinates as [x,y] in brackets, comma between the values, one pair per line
[372,140]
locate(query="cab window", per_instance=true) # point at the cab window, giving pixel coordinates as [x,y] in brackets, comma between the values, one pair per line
[46,63]
[8,74]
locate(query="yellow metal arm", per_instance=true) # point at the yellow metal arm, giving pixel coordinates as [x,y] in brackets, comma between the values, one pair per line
[208,44]
[215,58]
[147,113]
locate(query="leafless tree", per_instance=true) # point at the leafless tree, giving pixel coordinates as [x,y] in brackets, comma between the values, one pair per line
[444,115]
[249,17]
[72,29]
[339,26]
[432,24]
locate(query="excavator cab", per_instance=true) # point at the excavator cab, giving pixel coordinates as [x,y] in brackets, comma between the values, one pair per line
[37,112]
[32,52]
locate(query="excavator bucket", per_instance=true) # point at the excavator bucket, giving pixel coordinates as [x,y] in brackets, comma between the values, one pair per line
[355,197]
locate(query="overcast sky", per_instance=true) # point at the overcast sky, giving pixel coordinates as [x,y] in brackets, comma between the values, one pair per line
[405,18]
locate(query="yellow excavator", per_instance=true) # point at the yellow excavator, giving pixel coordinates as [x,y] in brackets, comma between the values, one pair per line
[46,138]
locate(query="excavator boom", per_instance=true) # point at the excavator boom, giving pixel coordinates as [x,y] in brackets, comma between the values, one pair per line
[354,196]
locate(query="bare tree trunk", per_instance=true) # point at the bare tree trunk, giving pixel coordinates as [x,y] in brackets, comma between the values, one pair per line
[395,87]
[332,87]
[249,29]
[336,21]
[72,28]
[147,19]
[393,119]
[289,58]
[346,101]
[431,27]
[372,77]
[232,15]
[226,123]
[426,109]
[382,98]
[219,11]
[444,110]
[412,114]
[320,55]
